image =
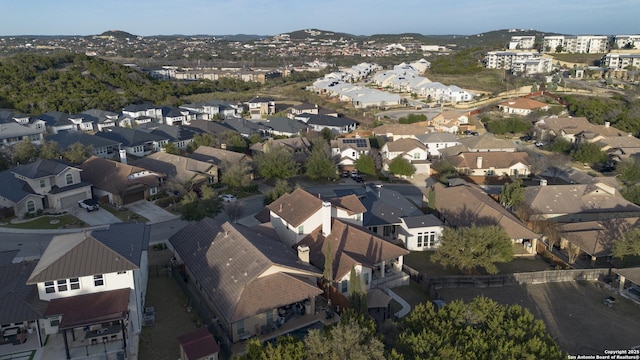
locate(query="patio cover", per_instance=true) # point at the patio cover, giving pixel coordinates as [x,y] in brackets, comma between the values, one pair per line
[89,309]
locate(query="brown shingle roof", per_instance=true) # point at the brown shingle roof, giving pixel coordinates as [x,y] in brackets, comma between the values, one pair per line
[350,245]
[404,145]
[467,205]
[296,207]
[402,129]
[76,255]
[574,125]
[181,168]
[217,156]
[486,141]
[114,177]
[198,344]
[350,203]
[523,103]
[496,159]
[88,309]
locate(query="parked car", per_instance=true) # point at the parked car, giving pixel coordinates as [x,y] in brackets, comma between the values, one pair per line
[228,198]
[345,174]
[88,204]
[358,179]
[526,138]
[541,143]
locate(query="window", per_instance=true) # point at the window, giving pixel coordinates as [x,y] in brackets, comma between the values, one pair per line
[43,183]
[69,178]
[54,322]
[240,327]
[74,283]
[49,287]
[432,239]
[300,229]
[153,190]
[62,285]
[124,272]
[98,280]
[269,316]
[416,155]
[419,244]
[366,279]
[31,206]
[344,286]
[359,216]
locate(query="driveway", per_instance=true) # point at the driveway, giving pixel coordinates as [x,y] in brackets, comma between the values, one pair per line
[151,211]
[96,217]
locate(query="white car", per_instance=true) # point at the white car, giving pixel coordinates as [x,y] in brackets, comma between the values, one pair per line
[89,204]
[228,198]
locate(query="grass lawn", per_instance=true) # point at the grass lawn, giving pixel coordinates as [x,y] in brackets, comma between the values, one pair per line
[421,261]
[124,215]
[45,222]
[413,293]
[520,264]
[171,320]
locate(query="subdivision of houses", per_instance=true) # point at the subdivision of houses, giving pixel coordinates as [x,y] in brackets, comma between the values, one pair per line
[43,185]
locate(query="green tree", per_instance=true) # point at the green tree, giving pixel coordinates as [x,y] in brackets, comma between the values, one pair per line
[327,134]
[254,139]
[628,170]
[171,148]
[480,329]
[286,348]
[49,150]
[560,145]
[365,165]
[235,141]
[503,126]
[357,295]
[195,208]
[445,170]
[277,163]
[345,340]
[320,164]
[235,175]
[589,153]
[512,194]
[631,193]
[24,152]
[205,139]
[470,248]
[77,153]
[401,166]
[280,188]
[628,245]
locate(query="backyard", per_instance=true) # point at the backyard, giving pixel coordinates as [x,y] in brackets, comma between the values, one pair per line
[573,312]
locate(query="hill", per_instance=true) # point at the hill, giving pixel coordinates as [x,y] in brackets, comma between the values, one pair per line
[118,34]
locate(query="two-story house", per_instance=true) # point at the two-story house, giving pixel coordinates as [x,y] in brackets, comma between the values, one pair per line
[259,107]
[188,173]
[102,147]
[136,142]
[420,233]
[13,133]
[94,285]
[436,141]
[489,164]
[142,110]
[41,185]
[348,150]
[410,149]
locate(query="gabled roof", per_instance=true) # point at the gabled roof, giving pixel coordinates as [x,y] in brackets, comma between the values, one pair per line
[490,159]
[12,129]
[181,168]
[127,239]
[139,107]
[296,207]
[257,100]
[437,137]
[350,203]
[350,245]
[19,301]
[285,125]
[75,255]
[245,126]
[325,120]
[171,132]
[386,207]
[42,168]
[198,344]
[467,205]
[129,137]
[358,144]
[575,125]
[420,221]
[230,263]
[402,129]
[523,103]
[210,127]
[114,177]
[404,145]
[65,139]
[486,141]
[99,116]
[55,118]
[217,156]
[13,188]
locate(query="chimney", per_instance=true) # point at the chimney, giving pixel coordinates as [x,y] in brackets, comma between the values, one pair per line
[543,182]
[303,253]
[607,124]
[123,156]
[479,162]
[326,218]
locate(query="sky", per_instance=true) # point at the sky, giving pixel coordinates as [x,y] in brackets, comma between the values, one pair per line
[357,17]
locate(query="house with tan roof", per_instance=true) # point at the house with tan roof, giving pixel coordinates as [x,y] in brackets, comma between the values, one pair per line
[511,164]
[466,205]
[595,239]
[619,147]
[250,281]
[522,106]
[392,132]
[410,149]
[437,141]
[487,142]
[451,121]
[578,203]
[348,150]
[190,173]
[573,128]
[119,183]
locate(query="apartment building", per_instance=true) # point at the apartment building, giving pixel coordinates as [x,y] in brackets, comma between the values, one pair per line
[521,42]
[621,59]
[519,62]
[591,44]
[627,41]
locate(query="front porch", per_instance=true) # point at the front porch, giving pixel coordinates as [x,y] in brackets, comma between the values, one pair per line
[389,274]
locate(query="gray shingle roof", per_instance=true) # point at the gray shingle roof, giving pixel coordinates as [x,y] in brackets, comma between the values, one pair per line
[67,138]
[422,221]
[42,168]
[19,301]
[325,120]
[127,239]
[13,188]
[129,137]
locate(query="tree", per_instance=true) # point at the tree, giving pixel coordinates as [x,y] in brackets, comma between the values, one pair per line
[357,295]
[49,150]
[171,148]
[628,245]
[24,152]
[560,145]
[365,165]
[480,329]
[280,188]
[195,208]
[628,170]
[512,194]
[286,348]
[235,141]
[320,164]
[235,175]
[277,163]
[589,153]
[348,339]
[445,170]
[631,193]
[327,134]
[470,248]
[77,153]
[205,139]
[401,166]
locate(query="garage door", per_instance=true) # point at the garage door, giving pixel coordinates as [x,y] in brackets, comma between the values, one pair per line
[71,201]
[129,198]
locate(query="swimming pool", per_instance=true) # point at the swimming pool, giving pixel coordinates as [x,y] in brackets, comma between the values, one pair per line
[298,333]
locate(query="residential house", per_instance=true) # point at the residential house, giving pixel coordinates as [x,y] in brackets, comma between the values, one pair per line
[13,133]
[522,106]
[95,285]
[619,147]
[348,150]
[246,127]
[173,116]
[595,239]
[135,142]
[100,119]
[487,142]
[384,209]
[213,109]
[143,110]
[494,163]
[420,233]
[187,172]
[300,147]
[467,205]
[436,141]
[250,281]
[578,203]
[410,149]
[572,128]
[218,156]
[7,116]
[259,107]
[42,185]
[179,135]
[306,108]
[337,125]
[101,147]
[392,132]
[198,345]
[57,121]
[451,121]
[282,126]
[119,183]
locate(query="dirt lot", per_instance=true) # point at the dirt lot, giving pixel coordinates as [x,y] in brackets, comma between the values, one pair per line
[573,312]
